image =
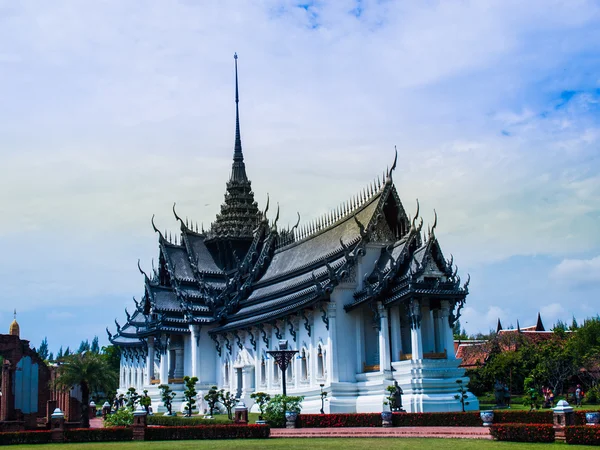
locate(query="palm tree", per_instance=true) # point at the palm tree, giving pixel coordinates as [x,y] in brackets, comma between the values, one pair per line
[91,373]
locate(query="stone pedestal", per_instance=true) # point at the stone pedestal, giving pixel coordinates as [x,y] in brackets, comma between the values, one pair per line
[57,425]
[563,414]
[241,414]
[105,410]
[386,419]
[92,410]
[140,422]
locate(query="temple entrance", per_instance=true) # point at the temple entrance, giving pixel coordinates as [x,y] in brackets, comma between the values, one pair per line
[240,381]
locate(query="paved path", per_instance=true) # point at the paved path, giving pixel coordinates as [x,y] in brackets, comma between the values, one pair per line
[96,422]
[405,432]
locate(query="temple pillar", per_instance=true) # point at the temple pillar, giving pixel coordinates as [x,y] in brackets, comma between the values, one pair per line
[446,329]
[416,339]
[178,371]
[150,361]
[332,347]
[396,333]
[7,398]
[384,339]
[360,344]
[195,340]
[427,327]
[164,366]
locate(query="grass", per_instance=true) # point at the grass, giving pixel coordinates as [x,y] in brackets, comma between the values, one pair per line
[303,444]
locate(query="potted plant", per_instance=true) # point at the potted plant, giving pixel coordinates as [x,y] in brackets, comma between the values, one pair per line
[592,418]
[261,399]
[386,416]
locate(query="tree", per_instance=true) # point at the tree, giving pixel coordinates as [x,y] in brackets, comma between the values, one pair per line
[95,347]
[559,326]
[261,399]
[51,357]
[145,401]
[167,395]
[574,326]
[43,350]
[459,333]
[462,394]
[84,346]
[228,400]
[131,398]
[60,354]
[88,371]
[212,398]
[67,352]
[190,394]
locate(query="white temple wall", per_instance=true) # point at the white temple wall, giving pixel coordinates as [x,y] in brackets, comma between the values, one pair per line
[346,336]
[207,355]
[187,355]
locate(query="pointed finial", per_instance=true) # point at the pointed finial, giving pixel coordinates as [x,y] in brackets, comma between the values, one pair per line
[15,314]
[388,180]
[238,171]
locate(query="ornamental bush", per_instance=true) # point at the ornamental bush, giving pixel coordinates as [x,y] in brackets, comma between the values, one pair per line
[25,437]
[518,432]
[582,435]
[121,418]
[179,421]
[338,420]
[523,417]
[208,432]
[449,419]
[99,434]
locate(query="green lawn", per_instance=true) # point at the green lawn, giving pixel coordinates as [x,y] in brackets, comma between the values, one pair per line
[328,443]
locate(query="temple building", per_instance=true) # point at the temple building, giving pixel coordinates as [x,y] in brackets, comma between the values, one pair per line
[363,293]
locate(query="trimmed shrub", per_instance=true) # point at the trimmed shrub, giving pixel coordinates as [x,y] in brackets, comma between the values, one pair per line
[208,432]
[518,432]
[582,435]
[526,417]
[99,434]
[180,421]
[25,437]
[449,419]
[338,420]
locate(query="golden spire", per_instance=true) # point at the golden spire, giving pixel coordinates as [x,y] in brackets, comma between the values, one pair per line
[14,326]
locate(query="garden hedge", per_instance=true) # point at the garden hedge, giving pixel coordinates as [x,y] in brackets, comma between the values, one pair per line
[518,432]
[179,421]
[582,435]
[110,434]
[527,417]
[160,433]
[25,437]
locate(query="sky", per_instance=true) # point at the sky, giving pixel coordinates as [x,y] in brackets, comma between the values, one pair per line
[111,111]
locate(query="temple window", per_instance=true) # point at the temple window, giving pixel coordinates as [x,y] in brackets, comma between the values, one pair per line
[275,372]
[304,369]
[320,364]
[263,372]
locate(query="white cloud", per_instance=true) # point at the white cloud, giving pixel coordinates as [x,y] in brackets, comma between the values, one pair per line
[578,272]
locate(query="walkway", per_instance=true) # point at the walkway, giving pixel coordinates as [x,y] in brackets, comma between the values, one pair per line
[405,432]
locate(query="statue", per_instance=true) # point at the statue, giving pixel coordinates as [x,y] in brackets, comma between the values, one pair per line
[397,398]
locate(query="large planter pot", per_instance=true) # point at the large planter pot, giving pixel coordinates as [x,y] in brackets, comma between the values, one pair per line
[592,418]
[487,417]
[290,419]
[386,418]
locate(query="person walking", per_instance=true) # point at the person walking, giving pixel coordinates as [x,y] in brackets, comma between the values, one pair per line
[578,395]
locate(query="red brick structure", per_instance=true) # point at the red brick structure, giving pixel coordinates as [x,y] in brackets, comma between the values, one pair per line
[27,399]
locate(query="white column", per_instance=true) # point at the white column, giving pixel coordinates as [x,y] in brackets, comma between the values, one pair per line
[396,333]
[416,339]
[360,343]
[439,337]
[164,366]
[427,328]
[150,361]
[178,372]
[331,357]
[446,329]
[384,339]
[195,340]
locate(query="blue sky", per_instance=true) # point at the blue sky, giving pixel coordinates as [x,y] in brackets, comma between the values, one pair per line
[111,111]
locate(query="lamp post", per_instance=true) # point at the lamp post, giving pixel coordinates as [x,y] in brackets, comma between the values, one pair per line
[323,395]
[282,357]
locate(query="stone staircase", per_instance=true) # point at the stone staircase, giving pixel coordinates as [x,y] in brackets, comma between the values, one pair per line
[394,432]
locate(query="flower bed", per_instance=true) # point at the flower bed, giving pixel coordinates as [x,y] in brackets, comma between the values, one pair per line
[99,434]
[160,433]
[25,437]
[582,435]
[518,432]
[527,417]
[338,420]
[179,421]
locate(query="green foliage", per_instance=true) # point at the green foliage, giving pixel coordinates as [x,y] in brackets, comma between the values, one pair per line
[190,394]
[459,333]
[228,400]
[207,432]
[212,398]
[121,418]
[84,346]
[131,398]
[261,399]
[278,405]
[390,396]
[146,401]
[582,435]
[95,347]
[518,432]
[167,395]
[462,394]
[88,371]
[51,357]
[60,354]
[43,350]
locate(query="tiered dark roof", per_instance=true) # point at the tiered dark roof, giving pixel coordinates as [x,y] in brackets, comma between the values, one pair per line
[245,271]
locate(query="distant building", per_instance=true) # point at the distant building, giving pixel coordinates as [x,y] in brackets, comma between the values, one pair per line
[363,295]
[27,400]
